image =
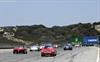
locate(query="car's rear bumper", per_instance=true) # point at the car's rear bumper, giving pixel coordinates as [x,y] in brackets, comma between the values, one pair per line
[35,50]
[68,48]
[48,54]
[19,51]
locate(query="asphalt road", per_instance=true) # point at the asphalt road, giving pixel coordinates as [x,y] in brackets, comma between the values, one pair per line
[81,54]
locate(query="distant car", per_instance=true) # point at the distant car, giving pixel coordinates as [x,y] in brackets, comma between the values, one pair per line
[48,51]
[41,46]
[18,50]
[68,47]
[34,48]
[55,46]
[77,45]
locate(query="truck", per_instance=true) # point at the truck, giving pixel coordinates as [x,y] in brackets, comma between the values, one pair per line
[90,40]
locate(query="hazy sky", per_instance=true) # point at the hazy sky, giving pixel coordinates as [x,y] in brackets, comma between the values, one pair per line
[48,12]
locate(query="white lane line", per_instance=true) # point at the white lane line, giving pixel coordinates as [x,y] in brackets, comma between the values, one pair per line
[98,56]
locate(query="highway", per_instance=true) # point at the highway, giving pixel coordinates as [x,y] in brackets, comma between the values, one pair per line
[78,54]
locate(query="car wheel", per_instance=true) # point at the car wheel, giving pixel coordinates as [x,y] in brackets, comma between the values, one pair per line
[17,52]
[42,55]
[25,52]
[64,48]
[30,50]
[54,54]
[71,49]
[38,49]
[14,52]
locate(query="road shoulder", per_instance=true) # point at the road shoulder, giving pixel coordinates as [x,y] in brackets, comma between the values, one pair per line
[89,55]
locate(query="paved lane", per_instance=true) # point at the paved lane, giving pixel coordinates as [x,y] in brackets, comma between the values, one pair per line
[89,55]
[81,54]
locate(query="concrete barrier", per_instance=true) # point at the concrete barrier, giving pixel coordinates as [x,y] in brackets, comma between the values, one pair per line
[5,50]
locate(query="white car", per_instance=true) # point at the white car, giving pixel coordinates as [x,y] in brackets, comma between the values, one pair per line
[55,46]
[34,48]
[41,46]
[77,45]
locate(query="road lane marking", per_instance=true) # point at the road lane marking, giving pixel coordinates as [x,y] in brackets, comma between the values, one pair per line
[98,56]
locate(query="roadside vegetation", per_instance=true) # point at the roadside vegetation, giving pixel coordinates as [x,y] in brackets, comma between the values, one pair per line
[41,34]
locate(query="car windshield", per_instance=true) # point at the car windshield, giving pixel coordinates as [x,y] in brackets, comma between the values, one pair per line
[69,44]
[48,46]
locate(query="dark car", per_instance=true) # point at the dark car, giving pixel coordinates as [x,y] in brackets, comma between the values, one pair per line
[18,50]
[68,47]
[48,51]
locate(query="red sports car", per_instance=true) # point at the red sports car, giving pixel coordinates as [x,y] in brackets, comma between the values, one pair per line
[48,51]
[19,50]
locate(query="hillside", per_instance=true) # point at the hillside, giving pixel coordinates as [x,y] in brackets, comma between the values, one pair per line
[41,34]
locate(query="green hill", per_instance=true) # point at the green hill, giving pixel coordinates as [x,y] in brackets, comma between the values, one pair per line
[56,34]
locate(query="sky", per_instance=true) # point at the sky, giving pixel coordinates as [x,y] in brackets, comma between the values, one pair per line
[48,12]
